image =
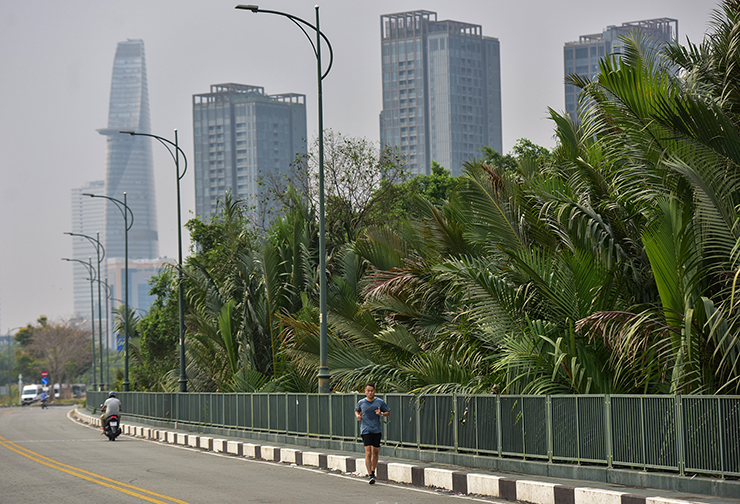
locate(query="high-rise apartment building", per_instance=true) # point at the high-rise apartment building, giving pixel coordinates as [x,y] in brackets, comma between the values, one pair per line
[129,158]
[441,90]
[582,57]
[242,135]
[88,219]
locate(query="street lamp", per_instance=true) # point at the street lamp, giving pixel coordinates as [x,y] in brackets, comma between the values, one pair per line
[91,272]
[109,294]
[98,248]
[125,212]
[181,306]
[324,376]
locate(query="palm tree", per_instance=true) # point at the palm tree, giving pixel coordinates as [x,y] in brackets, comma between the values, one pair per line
[679,135]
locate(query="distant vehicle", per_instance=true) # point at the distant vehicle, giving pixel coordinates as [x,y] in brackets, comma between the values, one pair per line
[31,394]
[78,390]
[56,390]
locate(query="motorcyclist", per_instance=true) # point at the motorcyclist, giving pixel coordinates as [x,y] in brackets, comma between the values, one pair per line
[43,399]
[112,406]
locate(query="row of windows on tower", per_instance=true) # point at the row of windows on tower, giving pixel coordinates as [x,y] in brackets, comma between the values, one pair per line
[584,53]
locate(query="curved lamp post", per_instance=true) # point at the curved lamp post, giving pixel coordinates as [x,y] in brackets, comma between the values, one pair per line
[176,158]
[98,249]
[91,272]
[109,294]
[324,376]
[125,212]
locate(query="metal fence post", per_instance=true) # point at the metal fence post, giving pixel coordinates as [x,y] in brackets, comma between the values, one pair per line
[578,430]
[524,428]
[721,436]
[331,417]
[418,422]
[548,408]
[499,435]
[608,427]
[642,429]
[455,422]
[679,434]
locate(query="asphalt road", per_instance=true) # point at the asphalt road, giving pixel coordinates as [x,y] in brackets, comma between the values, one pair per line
[47,457]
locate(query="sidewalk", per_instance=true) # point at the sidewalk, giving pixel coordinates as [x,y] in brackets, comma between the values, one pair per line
[458,480]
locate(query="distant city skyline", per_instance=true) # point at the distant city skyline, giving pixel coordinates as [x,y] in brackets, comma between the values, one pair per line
[57,79]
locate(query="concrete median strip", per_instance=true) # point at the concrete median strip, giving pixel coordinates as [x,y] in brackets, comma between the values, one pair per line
[459,482]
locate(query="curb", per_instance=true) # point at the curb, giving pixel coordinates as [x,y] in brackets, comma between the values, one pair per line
[459,482]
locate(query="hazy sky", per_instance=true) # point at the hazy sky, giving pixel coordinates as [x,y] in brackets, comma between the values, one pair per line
[56,59]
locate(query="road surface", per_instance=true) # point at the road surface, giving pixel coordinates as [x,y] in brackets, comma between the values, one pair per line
[47,457]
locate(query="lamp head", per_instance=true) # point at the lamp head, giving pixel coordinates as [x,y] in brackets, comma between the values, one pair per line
[253,8]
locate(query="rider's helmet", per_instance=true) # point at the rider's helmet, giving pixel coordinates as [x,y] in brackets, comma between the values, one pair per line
[111,394]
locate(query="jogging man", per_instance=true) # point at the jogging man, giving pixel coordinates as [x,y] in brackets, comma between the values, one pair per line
[368,413]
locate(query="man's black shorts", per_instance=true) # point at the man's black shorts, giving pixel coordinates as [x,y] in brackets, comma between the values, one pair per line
[372,439]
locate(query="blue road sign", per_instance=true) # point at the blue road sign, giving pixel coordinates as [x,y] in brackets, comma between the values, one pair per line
[44,381]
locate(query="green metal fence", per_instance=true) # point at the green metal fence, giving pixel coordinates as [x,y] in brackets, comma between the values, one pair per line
[685,434]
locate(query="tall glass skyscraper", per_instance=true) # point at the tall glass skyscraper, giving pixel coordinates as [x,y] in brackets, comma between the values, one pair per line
[129,164]
[582,57]
[241,135]
[441,90]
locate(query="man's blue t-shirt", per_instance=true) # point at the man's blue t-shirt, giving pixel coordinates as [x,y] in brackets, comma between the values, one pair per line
[370,422]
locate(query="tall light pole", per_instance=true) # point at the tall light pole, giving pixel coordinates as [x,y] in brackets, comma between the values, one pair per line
[109,294]
[181,306]
[324,376]
[125,212]
[98,249]
[91,272]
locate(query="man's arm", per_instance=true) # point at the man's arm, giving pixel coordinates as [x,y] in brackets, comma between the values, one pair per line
[381,412]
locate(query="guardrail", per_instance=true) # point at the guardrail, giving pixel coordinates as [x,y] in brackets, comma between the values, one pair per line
[684,434]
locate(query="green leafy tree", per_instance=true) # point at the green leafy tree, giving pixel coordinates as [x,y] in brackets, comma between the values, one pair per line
[154,338]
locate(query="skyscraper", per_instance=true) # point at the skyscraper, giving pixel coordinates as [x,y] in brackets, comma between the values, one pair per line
[88,219]
[240,136]
[129,158]
[582,57]
[441,90]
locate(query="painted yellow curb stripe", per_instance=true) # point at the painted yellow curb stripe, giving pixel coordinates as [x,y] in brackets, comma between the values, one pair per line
[87,475]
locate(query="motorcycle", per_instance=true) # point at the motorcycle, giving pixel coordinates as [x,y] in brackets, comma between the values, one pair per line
[43,404]
[112,427]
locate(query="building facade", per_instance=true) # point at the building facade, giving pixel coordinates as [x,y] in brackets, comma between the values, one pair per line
[441,90]
[88,218]
[129,165]
[582,57]
[241,135]
[140,271]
